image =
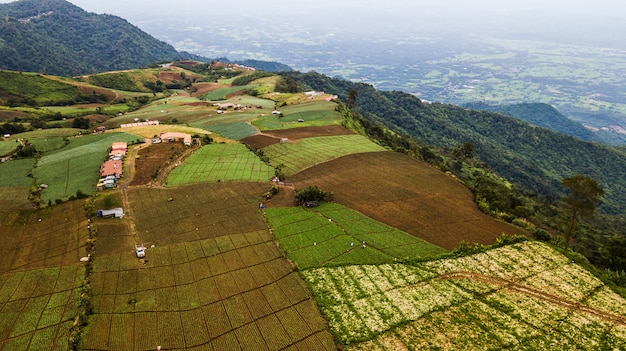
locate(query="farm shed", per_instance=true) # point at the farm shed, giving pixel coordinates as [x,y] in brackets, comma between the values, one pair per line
[115,212]
[111,168]
[172,136]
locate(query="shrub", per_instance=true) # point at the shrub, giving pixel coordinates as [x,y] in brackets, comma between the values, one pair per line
[313,193]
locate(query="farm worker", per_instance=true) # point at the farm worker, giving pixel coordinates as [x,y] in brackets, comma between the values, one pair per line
[352,243]
[159,348]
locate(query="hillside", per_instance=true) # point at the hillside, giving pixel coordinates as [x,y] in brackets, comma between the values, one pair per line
[232,264]
[536,159]
[56,37]
[541,115]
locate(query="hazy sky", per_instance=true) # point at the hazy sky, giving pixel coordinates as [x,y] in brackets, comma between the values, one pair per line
[552,18]
[136,8]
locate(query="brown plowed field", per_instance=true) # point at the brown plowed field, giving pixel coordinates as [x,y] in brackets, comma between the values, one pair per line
[151,159]
[405,193]
[271,137]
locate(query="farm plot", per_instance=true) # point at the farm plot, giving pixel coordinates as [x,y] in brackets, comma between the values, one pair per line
[522,296]
[316,113]
[53,236]
[406,194]
[76,166]
[225,293]
[40,277]
[194,212]
[232,124]
[220,162]
[38,307]
[333,234]
[300,155]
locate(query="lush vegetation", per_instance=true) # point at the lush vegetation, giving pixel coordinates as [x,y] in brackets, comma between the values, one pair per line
[56,37]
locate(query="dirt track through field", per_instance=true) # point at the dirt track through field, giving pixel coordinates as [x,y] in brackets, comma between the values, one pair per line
[535,293]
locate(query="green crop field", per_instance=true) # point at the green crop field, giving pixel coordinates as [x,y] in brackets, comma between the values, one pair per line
[316,113]
[222,94]
[524,296]
[333,234]
[299,155]
[76,166]
[220,162]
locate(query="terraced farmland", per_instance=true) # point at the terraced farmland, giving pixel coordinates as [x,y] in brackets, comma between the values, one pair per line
[518,297]
[40,275]
[299,155]
[214,278]
[332,234]
[221,162]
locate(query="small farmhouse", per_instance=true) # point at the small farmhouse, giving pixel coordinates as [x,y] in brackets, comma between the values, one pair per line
[111,168]
[172,136]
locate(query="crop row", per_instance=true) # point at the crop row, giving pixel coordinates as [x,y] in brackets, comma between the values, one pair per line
[299,155]
[469,301]
[38,307]
[221,162]
[334,234]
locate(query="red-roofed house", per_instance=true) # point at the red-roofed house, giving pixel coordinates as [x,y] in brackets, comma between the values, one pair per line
[111,168]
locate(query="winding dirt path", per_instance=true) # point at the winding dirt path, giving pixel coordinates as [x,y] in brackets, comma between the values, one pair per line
[536,293]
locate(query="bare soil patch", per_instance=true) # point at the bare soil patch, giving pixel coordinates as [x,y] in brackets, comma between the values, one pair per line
[153,158]
[10,115]
[260,141]
[407,194]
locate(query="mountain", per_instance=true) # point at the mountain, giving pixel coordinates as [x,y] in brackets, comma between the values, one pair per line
[57,37]
[534,158]
[541,115]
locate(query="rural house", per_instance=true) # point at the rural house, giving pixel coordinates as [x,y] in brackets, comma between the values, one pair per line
[173,136]
[111,168]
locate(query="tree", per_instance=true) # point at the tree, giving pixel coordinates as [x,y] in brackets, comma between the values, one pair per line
[352,96]
[580,203]
[80,123]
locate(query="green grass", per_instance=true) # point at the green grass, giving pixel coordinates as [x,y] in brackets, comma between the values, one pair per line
[222,94]
[36,87]
[220,162]
[332,234]
[236,131]
[297,156]
[14,173]
[6,147]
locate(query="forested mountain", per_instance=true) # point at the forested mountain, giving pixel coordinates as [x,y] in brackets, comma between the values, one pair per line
[532,157]
[541,115]
[57,37]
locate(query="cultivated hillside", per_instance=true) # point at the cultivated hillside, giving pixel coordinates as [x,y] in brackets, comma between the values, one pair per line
[232,264]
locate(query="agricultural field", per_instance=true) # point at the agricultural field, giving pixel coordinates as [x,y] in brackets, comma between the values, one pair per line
[316,113]
[76,166]
[407,194]
[517,297]
[333,234]
[220,162]
[40,275]
[213,278]
[301,154]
